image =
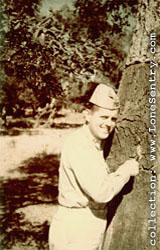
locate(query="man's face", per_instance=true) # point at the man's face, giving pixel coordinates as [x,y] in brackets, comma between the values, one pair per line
[101,122]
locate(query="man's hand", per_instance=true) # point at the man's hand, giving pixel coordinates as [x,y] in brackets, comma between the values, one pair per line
[132,166]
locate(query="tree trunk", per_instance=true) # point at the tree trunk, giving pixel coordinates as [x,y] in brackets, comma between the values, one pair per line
[133,219]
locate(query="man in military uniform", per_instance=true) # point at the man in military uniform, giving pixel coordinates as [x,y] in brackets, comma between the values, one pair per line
[85,182]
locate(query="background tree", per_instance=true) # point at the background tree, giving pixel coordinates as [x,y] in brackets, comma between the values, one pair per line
[130,211]
[58,55]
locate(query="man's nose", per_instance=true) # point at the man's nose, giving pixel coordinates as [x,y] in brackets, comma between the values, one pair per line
[108,122]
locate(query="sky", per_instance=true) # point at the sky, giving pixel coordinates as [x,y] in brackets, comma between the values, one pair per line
[54,4]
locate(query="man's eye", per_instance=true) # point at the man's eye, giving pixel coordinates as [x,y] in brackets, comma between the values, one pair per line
[104,117]
[114,119]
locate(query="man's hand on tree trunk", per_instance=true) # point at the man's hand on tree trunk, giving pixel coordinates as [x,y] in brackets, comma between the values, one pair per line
[132,166]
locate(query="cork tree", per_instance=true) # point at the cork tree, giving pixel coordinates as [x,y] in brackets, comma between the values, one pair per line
[133,215]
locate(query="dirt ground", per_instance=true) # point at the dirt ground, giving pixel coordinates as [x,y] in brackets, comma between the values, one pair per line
[16,149]
[29,178]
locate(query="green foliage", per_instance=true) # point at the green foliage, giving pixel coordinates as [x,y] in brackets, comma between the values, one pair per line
[59,55]
[29,79]
[105,15]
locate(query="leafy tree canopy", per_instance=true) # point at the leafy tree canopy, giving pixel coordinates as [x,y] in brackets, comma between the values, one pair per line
[59,55]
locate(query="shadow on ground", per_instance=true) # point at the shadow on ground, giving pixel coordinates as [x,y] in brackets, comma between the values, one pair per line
[36,184]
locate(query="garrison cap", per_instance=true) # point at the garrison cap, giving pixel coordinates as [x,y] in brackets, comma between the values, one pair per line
[105,97]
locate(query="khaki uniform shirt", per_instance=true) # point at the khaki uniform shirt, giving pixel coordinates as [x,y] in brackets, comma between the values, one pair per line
[84,176]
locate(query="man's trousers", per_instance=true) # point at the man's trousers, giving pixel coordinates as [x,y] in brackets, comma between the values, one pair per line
[77,229]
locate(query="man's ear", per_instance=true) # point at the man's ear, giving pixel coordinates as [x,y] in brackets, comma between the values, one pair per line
[87,114]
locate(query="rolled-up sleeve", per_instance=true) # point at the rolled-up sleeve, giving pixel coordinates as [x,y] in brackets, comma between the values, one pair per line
[91,174]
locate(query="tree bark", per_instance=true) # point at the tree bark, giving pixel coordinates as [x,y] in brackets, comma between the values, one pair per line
[130,211]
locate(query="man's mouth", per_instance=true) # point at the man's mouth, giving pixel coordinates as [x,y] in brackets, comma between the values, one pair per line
[106,130]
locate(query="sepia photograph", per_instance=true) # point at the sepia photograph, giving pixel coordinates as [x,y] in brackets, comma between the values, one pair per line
[79,125]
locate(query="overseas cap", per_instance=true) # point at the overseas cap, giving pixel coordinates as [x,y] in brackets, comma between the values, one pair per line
[105,97]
